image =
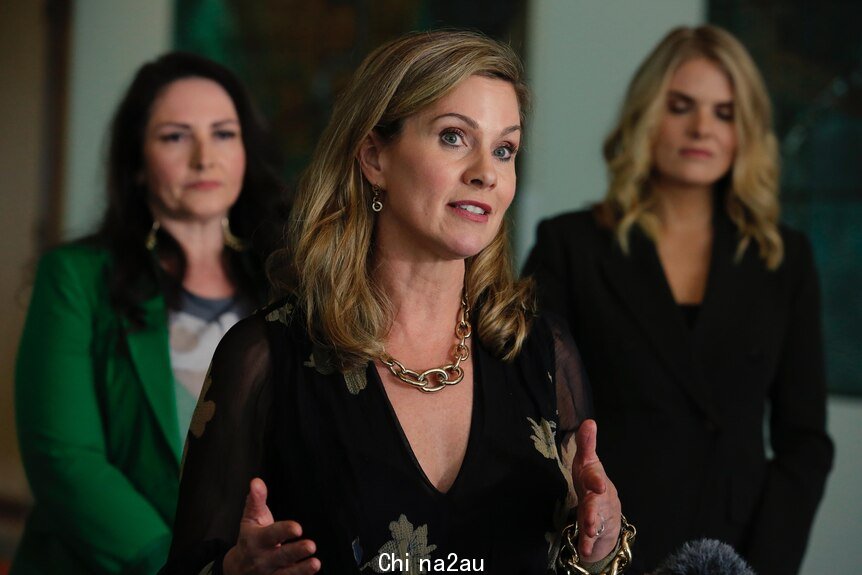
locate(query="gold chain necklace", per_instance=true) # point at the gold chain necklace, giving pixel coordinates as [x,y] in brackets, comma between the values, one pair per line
[437,378]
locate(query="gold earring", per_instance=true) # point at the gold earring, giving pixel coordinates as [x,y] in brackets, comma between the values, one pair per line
[152,238]
[376,202]
[230,240]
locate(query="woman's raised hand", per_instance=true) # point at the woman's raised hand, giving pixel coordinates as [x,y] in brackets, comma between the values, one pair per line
[599,507]
[266,546]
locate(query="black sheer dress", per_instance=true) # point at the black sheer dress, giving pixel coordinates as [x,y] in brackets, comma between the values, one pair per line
[335,459]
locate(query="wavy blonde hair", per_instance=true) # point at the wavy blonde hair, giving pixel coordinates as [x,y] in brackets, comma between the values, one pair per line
[751,187]
[331,233]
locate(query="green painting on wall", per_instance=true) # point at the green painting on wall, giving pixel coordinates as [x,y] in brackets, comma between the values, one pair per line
[811,58]
[296,55]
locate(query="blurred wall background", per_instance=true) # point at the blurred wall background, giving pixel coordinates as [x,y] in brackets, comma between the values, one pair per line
[110,39]
[580,55]
[22,59]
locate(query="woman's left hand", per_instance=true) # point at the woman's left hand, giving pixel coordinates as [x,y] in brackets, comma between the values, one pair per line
[599,507]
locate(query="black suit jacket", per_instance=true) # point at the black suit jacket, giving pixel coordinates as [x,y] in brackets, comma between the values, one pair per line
[681,411]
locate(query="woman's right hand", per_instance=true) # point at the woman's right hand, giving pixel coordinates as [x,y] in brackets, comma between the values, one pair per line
[263,547]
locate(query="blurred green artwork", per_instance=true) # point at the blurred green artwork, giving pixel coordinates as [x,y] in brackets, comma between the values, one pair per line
[296,55]
[811,58]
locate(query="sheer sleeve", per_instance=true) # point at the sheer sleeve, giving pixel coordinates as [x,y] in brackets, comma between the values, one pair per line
[225,448]
[574,398]
[574,406]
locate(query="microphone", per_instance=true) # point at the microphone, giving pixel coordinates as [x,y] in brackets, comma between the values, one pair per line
[704,557]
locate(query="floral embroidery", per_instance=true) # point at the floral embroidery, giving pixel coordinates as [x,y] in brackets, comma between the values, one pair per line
[404,540]
[204,411]
[567,457]
[321,361]
[543,437]
[281,314]
[355,380]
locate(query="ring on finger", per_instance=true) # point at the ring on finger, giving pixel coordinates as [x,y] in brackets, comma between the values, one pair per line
[602,526]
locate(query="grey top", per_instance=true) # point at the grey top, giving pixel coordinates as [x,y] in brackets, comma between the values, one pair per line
[194,332]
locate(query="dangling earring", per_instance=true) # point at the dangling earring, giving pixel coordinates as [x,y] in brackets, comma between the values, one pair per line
[376,202]
[152,240]
[230,240]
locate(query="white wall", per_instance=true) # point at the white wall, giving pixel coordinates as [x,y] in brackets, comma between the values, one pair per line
[110,40]
[580,57]
[834,546]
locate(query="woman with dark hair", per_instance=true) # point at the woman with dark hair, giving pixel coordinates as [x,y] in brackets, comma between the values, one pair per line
[697,312]
[123,324]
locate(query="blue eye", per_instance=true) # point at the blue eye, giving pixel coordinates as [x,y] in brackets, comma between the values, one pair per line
[451,137]
[505,153]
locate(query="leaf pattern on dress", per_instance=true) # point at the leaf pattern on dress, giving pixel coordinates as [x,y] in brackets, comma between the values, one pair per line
[544,437]
[355,380]
[320,360]
[568,450]
[203,413]
[205,409]
[545,440]
[281,314]
[404,540]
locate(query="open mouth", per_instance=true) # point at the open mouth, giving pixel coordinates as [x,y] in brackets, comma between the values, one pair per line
[471,207]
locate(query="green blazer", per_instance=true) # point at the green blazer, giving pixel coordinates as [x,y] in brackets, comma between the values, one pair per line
[97,425]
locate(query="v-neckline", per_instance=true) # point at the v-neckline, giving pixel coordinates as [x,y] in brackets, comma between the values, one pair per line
[665,287]
[475,416]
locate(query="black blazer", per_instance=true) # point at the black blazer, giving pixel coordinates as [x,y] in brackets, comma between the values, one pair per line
[681,411]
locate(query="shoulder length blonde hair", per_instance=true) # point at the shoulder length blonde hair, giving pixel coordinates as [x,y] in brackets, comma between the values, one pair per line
[327,263]
[750,189]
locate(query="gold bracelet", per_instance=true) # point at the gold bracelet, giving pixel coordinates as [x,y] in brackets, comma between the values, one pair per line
[569,560]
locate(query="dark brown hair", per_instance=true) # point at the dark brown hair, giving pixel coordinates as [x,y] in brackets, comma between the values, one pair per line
[134,275]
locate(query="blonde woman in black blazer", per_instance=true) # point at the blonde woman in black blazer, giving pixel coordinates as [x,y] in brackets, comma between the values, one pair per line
[697,313]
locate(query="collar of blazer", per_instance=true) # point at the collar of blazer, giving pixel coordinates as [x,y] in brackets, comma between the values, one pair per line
[639,281]
[150,353]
